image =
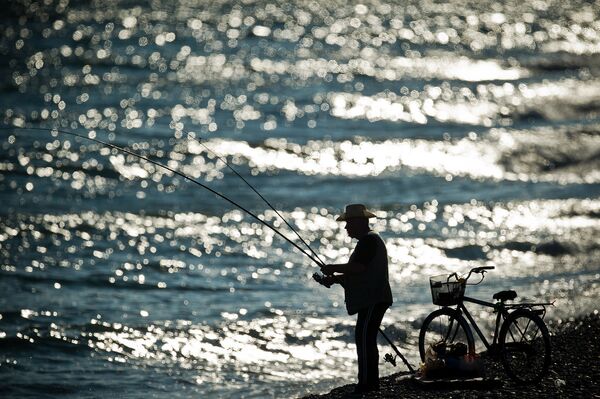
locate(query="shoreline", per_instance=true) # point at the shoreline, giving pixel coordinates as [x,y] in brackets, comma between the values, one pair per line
[574,372]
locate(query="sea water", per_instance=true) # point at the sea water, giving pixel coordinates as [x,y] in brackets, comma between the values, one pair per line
[469,127]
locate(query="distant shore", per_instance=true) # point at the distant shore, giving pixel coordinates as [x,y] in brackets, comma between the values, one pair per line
[574,373]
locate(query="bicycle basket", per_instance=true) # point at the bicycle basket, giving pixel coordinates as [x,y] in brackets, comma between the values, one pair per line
[444,292]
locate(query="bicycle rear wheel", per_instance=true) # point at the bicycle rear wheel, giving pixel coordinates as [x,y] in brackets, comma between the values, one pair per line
[525,347]
[445,325]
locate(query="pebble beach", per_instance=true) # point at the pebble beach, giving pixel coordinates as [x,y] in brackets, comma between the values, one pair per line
[575,373]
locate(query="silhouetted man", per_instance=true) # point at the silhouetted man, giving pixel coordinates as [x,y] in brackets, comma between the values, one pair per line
[366,288]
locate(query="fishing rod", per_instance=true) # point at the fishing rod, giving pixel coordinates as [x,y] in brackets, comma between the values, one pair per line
[199,141]
[126,151]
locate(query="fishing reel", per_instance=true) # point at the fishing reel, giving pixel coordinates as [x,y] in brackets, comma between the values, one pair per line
[323,280]
[390,359]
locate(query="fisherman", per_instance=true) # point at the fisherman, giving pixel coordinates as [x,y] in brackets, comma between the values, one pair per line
[366,288]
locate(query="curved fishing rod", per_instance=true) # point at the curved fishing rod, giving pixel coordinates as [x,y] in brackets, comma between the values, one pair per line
[126,151]
[199,141]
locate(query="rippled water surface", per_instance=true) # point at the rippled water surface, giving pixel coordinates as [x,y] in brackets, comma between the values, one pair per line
[471,127]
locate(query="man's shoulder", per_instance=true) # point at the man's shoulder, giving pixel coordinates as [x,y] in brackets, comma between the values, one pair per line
[370,238]
[368,243]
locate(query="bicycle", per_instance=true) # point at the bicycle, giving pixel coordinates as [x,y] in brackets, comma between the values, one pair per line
[521,339]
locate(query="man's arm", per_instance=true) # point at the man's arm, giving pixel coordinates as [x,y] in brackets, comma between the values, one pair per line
[344,268]
[363,254]
[328,281]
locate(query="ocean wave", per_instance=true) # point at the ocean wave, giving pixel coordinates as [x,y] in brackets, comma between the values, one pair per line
[553,248]
[484,105]
[38,342]
[229,253]
[560,61]
[564,155]
[567,155]
[440,66]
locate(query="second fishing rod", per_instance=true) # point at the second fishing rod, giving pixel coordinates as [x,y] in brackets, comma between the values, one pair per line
[190,137]
[314,257]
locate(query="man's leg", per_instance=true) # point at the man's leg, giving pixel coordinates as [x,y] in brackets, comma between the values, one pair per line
[360,338]
[371,351]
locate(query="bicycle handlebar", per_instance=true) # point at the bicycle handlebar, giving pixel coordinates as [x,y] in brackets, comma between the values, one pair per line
[481,270]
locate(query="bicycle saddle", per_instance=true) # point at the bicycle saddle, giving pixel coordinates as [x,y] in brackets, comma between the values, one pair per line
[505,295]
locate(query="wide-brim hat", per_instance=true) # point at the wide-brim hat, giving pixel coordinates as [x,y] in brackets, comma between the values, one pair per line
[354,211]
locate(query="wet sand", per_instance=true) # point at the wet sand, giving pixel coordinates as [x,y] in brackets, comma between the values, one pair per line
[574,373]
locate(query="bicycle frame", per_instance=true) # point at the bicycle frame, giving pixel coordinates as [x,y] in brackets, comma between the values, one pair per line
[502,311]
[498,308]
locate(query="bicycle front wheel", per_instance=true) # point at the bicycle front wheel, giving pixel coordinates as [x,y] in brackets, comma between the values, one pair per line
[525,347]
[445,325]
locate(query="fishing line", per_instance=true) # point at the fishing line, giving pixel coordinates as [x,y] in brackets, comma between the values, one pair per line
[199,141]
[126,151]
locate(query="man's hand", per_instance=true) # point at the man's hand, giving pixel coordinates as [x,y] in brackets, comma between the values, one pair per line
[328,270]
[344,268]
[328,281]
[323,280]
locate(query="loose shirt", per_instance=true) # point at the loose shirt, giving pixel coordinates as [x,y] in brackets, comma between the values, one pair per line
[371,286]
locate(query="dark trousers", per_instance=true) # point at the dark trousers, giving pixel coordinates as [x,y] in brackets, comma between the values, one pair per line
[365,335]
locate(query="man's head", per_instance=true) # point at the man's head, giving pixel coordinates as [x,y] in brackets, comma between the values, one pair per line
[356,217]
